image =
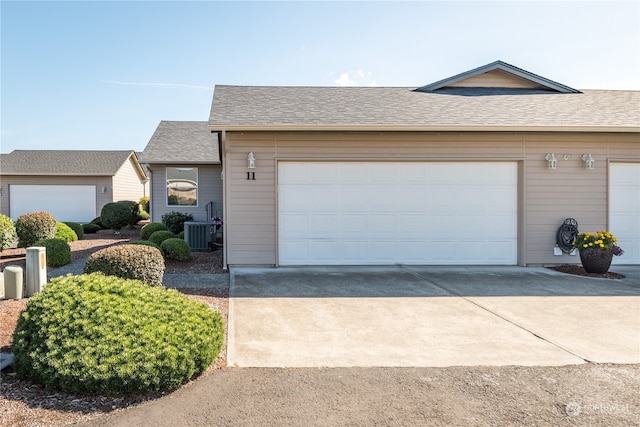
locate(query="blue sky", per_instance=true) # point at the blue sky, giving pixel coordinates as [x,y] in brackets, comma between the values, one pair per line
[102,74]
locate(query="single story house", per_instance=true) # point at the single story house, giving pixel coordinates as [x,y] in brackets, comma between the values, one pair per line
[479,168]
[183,161]
[73,185]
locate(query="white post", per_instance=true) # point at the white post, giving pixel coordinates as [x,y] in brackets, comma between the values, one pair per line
[36,269]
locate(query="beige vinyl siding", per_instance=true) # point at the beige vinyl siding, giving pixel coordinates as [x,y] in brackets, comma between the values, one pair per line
[127,184]
[99,181]
[546,197]
[209,190]
[497,78]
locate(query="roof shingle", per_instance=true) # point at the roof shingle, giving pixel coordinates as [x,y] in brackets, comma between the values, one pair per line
[182,142]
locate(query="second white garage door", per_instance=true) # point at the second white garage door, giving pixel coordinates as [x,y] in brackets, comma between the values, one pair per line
[368,213]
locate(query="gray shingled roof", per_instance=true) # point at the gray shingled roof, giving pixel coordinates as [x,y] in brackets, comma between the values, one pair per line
[63,162]
[403,108]
[182,142]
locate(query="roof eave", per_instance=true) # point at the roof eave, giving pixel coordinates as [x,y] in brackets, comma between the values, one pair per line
[421,128]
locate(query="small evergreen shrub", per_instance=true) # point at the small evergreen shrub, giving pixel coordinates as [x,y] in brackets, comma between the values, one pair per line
[146,243]
[181,235]
[158,237]
[128,261]
[144,203]
[7,232]
[91,228]
[176,249]
[77,228]
[99,335]
[64,232]
[175,221]
[97,221]
[58,251]
[34,226]
[117,215]
[148,229]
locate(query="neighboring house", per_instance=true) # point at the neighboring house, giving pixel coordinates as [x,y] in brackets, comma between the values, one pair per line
[457,172]
[183,160]
[73,185]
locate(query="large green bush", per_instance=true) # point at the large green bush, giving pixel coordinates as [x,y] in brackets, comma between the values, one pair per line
[64,232]
[7,232]
[116,215]
[148,229]
[158,237]
[175,221]
[34,226]
[176,249]
[58,251]
[128,261]
[77,228]
[93,334]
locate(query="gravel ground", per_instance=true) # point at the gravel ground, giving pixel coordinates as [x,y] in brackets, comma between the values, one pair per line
[598,395]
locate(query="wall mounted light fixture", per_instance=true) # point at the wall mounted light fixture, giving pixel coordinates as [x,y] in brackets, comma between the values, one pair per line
[552,162]
[104,190]
[251,165]
[589,163]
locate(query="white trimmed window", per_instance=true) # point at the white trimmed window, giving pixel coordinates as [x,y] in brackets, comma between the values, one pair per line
[182,186]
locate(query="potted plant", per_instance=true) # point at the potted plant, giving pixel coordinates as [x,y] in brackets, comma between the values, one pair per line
[597,250]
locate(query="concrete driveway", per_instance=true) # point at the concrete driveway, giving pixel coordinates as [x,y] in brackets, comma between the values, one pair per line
[430,316]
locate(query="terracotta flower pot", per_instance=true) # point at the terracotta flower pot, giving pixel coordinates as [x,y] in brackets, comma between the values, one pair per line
[596,260]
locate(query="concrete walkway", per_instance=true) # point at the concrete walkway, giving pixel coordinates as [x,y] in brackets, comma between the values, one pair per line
[430,316]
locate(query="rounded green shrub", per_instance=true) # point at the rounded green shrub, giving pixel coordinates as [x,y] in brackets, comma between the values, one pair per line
[128,261]
[64,232]
[58,251]
[100,335]
[97,221]
[7,232]
[175,221]
[91,228]
[77,228]
[158,237]
[148,229]
[181,235]
[116,215]
[176,249]
[34,226]
[146,243]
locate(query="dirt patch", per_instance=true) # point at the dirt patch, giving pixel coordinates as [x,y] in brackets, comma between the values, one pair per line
[578,270]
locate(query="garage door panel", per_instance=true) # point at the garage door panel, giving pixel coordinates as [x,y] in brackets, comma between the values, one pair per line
[417,213]
[624,210]
[65,202]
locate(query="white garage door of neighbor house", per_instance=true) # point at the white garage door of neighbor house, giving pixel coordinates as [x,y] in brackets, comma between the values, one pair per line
[624,210]
[367,213]
[64,202]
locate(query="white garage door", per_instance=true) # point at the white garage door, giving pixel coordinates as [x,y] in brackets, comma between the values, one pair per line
[64,202]
[624,210]
[365,213]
